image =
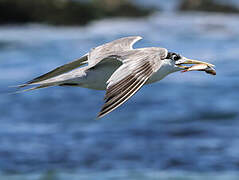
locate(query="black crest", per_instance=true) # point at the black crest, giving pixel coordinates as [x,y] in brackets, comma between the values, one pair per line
[173,56]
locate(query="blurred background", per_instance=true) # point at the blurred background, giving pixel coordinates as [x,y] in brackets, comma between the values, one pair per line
[188,129]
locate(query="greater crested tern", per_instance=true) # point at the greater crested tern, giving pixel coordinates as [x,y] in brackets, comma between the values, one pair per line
[117,68]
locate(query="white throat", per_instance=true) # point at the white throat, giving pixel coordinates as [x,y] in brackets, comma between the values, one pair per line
[167,67]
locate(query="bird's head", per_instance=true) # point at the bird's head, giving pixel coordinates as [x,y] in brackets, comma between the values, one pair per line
[182,63]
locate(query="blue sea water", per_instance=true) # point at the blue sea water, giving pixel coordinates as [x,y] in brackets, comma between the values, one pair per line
[184,127]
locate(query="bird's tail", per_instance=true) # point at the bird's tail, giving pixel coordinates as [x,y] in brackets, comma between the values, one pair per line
[39,86]
[47,79]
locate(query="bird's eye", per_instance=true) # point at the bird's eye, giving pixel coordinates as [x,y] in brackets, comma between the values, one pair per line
[175,57]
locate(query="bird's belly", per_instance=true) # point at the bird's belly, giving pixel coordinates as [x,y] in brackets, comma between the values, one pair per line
[97,77]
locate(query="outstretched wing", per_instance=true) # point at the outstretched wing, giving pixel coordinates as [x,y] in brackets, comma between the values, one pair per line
[128,79]
[92,58]
[115,48]
[59,70]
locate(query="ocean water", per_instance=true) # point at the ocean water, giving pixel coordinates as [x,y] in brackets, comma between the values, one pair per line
[183,127]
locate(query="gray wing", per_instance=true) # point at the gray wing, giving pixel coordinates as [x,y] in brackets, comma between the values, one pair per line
[128,79]
[59,70]
[115,48]
[95,56]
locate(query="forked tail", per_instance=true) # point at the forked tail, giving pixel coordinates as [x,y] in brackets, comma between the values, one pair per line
[21,90]
[44,80]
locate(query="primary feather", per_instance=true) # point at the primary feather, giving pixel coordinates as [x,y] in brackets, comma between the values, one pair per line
[114,66]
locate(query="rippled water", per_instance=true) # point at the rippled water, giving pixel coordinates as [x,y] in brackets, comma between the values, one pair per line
[185,126]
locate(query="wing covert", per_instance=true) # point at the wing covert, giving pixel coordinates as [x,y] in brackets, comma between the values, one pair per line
[126,81]
[115,48]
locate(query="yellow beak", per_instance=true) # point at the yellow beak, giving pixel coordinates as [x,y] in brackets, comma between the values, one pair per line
[191,61]
[184,61]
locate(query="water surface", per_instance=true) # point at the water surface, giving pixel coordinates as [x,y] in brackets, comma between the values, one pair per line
[184,127]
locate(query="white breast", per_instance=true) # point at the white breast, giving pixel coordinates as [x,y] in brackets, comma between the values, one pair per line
[166,68]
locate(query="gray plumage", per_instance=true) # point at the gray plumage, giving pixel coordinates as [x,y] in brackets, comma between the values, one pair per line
[114,66]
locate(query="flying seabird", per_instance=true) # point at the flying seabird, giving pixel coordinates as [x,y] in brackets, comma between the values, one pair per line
[117,68]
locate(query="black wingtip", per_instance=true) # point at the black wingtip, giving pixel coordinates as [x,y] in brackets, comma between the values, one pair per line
[99,116]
